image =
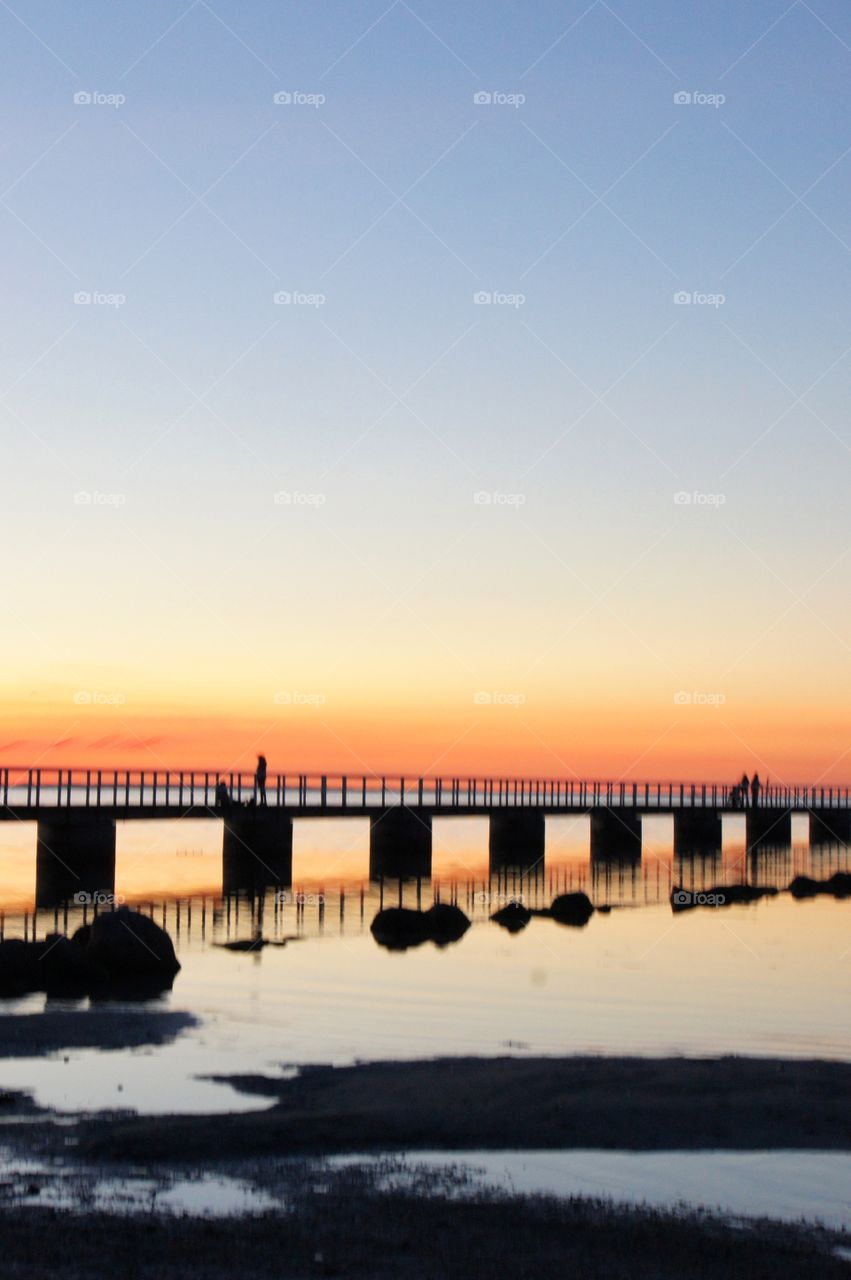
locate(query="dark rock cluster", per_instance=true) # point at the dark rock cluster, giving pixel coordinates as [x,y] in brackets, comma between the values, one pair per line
[120,954]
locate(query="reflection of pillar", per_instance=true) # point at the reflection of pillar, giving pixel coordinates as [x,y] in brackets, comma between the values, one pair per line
[698,869]
[615,832]
[75,854]
[399,844]
[257,849]
[769,826]
[830,826]
[697,830]
[516,839]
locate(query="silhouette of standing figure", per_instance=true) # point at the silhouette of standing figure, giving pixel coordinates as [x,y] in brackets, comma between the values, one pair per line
[746,789]
[223,800]
[755,789]
[260,779]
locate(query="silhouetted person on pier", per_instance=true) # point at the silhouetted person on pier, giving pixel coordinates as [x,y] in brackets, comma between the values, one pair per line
[223,800]
[755,790]
[746,789]
[736,796]
[260,780]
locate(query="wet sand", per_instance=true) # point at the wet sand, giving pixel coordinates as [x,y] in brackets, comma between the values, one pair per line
[31,1035]
[641,1104]
[350,1230]
[340,1222]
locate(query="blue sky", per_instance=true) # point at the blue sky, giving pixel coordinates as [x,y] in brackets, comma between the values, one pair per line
[393,202]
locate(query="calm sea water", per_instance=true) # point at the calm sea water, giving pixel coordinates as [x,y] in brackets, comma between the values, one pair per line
[770,978]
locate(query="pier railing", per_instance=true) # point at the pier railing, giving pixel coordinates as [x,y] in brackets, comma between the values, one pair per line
[157,790]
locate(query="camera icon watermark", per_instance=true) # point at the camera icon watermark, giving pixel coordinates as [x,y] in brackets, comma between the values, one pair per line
[498,698]
[94,698]
[97,899]
[484,898]
[297,98]
[94,498]
[295,298]
[294,698]
[496,498]
[694,298]
[299,898]
[94,298]
[698,698]
[496,98]
[698,499]
[94,98]
[298,498]
[493,298]
[683,898]
[696,98]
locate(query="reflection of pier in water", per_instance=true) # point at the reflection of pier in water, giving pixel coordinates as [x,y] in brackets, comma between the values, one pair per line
[76,812]
[313,910]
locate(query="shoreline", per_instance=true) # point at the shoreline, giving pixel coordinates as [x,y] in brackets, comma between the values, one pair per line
[453,1104]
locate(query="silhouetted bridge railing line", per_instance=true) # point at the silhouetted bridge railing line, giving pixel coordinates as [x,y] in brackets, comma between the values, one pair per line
[142,793]
[77,810]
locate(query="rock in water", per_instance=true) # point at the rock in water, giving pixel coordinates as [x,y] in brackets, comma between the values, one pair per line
[572,908]
[446,923]
[398,928]
[513,917]
[124,944]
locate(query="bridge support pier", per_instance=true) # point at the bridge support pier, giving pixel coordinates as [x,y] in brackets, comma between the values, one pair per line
[768,826]
[830,826]
[75,855]
[516,839]
[257,850]
[697,830]
[615,832]
[400,844]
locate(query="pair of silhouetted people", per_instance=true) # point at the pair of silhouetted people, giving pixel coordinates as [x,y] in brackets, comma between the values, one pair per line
[747,792]
[224,799]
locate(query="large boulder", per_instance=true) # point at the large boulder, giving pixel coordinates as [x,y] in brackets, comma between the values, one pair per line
[55,966]
[572,908]
[721,895]
[446,923]
[839,885]
[17,966]
[126,945]
[513,917]
[398,928]
[63,968]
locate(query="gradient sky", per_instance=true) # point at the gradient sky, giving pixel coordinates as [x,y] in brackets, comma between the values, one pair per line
[581,620]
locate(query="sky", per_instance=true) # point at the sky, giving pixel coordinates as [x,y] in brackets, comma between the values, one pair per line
[427,388]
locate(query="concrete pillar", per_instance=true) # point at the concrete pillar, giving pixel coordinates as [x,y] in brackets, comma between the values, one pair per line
[516,839]
[768,826]
[697,830]
[257,850]
[615,832]
[830,826]
[400,844]
[75,855]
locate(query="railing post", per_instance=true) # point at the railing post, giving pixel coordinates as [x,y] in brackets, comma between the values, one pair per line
[343,789]
[180,792]
[324,790]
